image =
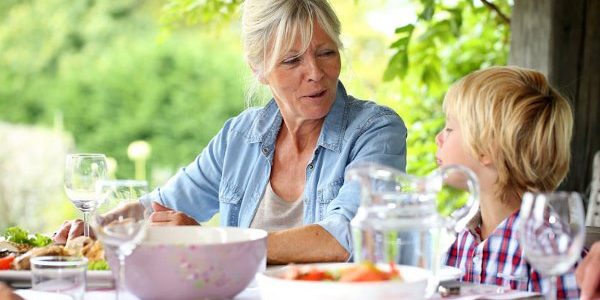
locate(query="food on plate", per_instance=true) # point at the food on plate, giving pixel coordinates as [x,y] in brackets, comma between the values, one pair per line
[22,262]
[21,237]
[18,247]
[6,261]
[362,272]
[85,246]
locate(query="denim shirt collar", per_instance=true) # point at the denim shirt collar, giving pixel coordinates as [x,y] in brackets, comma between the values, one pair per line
[266,126]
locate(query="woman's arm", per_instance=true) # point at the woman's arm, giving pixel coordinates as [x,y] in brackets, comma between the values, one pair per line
[306,244]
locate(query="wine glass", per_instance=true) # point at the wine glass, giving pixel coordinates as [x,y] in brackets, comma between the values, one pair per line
[82,172]
[120,221]
[552,233]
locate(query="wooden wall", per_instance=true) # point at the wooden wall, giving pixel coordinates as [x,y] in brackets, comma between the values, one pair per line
[561,38]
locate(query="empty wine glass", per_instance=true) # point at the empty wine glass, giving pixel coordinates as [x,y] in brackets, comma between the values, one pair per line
[120,221]
[552,233]
[82,172]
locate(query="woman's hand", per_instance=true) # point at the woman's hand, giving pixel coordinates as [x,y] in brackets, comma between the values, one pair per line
[588,274]
[70,230]
[164,216]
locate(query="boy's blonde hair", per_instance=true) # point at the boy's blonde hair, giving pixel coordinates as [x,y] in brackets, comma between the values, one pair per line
[516,118]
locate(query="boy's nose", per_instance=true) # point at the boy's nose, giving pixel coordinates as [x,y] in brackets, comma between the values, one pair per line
[438,139]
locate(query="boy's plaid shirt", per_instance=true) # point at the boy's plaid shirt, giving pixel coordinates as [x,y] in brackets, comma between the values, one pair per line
[499,260]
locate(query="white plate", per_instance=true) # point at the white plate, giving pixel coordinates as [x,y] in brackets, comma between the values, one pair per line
[447,273]
[273,287]
[95,279]
[31,294]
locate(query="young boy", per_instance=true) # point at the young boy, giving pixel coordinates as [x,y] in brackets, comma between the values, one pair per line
[511,128]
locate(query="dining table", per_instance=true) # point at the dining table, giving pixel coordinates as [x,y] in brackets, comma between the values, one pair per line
[453,289]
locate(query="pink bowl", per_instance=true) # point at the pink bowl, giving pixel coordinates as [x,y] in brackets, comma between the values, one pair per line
[193,262]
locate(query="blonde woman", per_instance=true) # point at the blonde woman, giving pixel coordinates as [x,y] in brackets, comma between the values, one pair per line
[281,167]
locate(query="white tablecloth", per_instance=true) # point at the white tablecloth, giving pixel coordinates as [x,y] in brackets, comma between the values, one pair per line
[250,293]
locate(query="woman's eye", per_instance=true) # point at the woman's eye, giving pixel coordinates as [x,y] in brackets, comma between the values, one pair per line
[291,61]
[448,129]
[328,53]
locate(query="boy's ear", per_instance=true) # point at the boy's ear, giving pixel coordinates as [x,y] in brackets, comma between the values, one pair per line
[485,160]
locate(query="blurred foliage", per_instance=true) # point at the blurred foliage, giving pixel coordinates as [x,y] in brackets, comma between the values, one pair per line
[189,12]
[96,67]
[450,198]
[447,41]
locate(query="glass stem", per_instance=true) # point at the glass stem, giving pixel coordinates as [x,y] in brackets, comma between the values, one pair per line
[86,223]
[121,275]
[551,294]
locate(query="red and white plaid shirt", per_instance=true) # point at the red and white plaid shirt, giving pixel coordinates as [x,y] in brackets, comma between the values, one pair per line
[499,260]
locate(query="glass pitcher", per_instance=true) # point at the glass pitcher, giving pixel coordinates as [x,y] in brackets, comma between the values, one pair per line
[398,219]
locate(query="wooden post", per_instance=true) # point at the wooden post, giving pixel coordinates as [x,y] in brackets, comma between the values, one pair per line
[561,38]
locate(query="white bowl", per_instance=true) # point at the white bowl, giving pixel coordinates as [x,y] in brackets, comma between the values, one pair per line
[193,262]
[274,287]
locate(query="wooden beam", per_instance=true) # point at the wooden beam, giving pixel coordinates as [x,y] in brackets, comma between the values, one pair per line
[586,138]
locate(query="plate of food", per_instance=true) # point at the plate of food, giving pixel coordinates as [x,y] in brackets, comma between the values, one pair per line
[17,247]
[343,281]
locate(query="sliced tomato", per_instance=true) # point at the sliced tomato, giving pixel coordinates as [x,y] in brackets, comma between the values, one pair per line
[315,275]
[6,261]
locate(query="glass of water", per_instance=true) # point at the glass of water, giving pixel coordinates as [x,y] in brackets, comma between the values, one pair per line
[59,274]
[82,172]
[120,221]
[552,233]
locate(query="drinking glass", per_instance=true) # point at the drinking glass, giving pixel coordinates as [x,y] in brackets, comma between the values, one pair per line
[59,274]
[82,173]
[552,233]
[120,221]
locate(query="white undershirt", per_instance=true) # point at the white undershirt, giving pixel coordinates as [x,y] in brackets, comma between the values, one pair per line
[275,214]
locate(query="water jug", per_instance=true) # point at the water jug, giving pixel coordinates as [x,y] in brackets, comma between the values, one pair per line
[399,217]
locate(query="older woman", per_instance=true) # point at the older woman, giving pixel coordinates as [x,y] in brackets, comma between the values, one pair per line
[281,167]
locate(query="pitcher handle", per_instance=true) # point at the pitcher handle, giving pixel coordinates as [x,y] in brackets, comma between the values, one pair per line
[461,216]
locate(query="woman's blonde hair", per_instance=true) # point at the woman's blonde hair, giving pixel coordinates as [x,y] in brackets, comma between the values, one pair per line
[522,123]
[270,27]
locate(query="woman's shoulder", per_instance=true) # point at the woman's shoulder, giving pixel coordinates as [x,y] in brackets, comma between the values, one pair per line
[244,120]
[365,112]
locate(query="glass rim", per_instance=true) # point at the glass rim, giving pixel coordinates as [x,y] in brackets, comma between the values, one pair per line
[85,154]
[123,182]
[59,261]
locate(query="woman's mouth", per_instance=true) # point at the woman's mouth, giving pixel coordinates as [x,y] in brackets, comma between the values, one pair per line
[318,94]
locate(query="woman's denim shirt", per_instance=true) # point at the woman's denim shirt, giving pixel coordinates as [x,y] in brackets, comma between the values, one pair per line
[232,172]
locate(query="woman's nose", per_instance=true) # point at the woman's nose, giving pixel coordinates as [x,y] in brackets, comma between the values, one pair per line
[314,69]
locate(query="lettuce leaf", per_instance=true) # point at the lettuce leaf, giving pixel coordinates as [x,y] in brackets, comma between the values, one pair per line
[21,236]
[98,265]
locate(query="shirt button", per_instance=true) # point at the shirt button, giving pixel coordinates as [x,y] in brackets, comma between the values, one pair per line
[265,150]
[311,166]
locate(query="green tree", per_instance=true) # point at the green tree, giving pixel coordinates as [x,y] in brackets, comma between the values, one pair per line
[98,66]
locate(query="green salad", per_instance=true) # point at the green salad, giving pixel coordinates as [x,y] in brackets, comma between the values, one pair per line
[21,236]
